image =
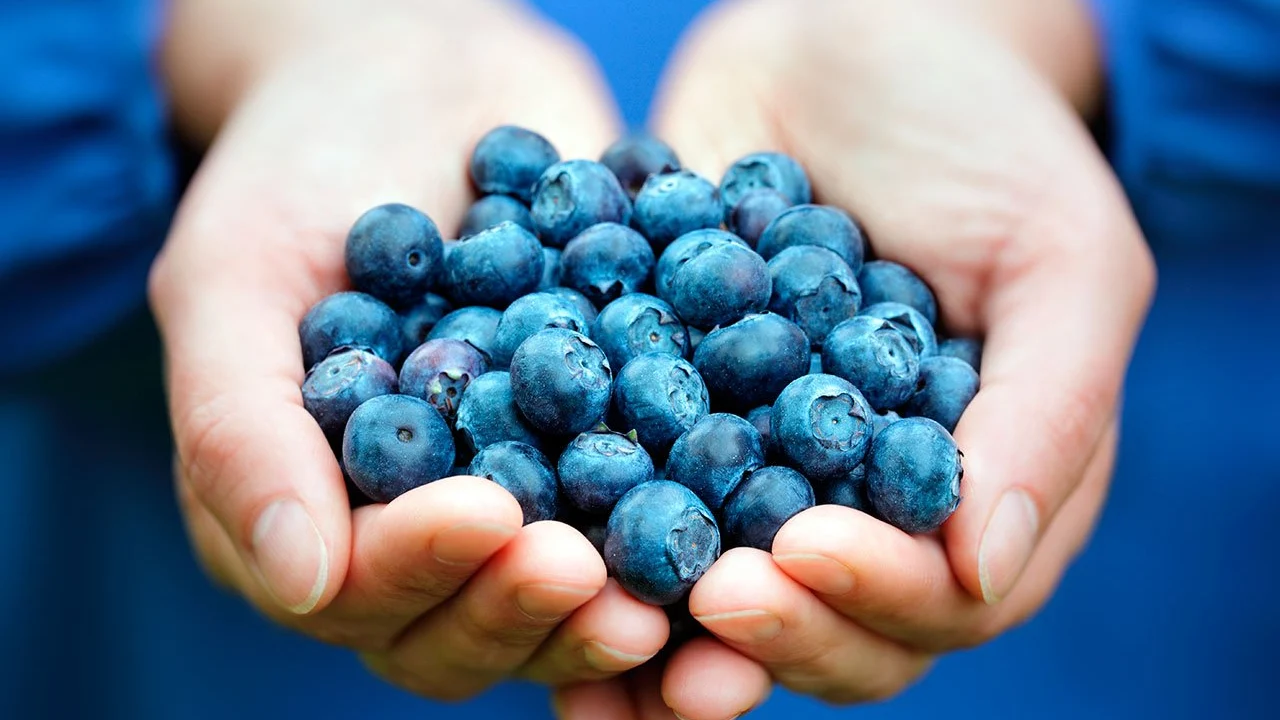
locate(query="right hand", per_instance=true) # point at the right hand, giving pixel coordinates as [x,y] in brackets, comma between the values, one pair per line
[441,591]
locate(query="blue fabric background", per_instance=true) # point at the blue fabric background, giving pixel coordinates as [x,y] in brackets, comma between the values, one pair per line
[1167,614]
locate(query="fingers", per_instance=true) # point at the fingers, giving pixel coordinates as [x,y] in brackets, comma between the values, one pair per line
[755,608]
[902,587]
[415,553]
[500,617]
[1061,329]
[597,700]
[611,634]
[707,680]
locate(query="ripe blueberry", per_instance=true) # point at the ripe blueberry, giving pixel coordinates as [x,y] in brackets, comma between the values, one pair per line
[754,212]
[946,387]
[913,325]
[600,466]
[748,363]
[685,248]
[672,204]
[561,381]
[887,281]
[636,324]
[476,325]
[763,502]
[525,473]
[605,262]
[814,288]
[394,443]
[350,320]
[720,285]
[487,414]
[820,225]
[966,349]
[822,424]
[531,313]
[394,253]
[572,196]
[659,541]
[417,322]
[508,160]
[871,353]
[492,210]
[714,455]
[660,396]
[494,266]
[635,157]
[913,475]
[771,170]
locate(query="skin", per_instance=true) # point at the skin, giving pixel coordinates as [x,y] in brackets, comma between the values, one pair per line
[989,185]
[293,98]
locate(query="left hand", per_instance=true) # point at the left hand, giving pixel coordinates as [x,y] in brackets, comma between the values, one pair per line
[965,162]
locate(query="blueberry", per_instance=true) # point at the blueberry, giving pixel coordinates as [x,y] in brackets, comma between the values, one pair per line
[815,363]
[880,421]
[394,443]
[528,315]
[822,424]
[562,381]
[749,362]
[753,213]
[913,475]
[910,322]
[601,466]
[492,210]
[572,196]
[660,396]
[635,157]
[394,253]
[945,388]
[762,419]
[550,268]
[487,414]
[820,225]
[876,357]
[685,248]
[770,170]
[350,320]
[579,300]
[659,541]
[476,325]
[508,160]
[337,385]
[886,281]
[714,455]
[849,490]
[494,266]
[439,372]
[720,285]
[605,262]
[525,473]
[416,322]
[764,501]
[672,204]
[636,324]
[815,288]
[966,349]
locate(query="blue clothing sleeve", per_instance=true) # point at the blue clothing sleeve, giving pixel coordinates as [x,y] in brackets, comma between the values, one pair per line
[1195,115]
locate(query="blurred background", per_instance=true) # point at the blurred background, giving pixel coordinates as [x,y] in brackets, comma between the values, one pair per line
[1168,613]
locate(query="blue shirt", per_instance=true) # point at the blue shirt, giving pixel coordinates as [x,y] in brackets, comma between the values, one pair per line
[1168,613]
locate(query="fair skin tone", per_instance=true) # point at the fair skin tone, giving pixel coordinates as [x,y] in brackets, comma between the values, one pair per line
[948,128]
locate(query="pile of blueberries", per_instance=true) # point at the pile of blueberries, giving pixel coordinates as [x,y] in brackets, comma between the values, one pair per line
[670,366]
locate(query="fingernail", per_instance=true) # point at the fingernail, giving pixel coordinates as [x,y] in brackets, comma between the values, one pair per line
[817,572]
[470,543]
[290,556]
[547,603]
[743,626]
[1007,544]
[610,660]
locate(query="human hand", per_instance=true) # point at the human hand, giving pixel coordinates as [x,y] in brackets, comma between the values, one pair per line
[351,105]
[964,162]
